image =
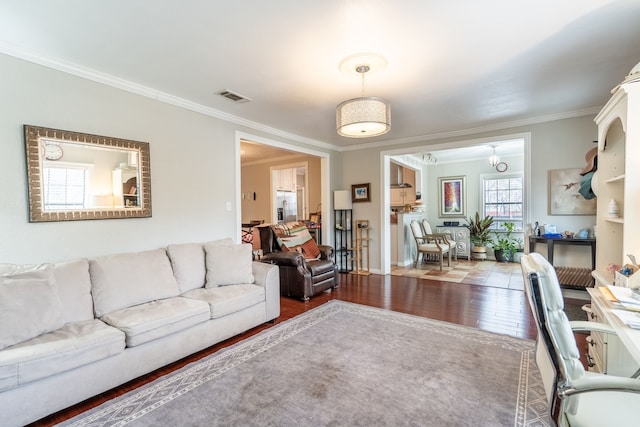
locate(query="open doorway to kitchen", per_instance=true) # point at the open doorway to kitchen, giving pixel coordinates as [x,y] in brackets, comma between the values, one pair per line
[264,165]
[463,161]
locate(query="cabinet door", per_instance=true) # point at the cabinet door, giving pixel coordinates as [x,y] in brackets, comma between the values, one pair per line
[410,195]
[397,196]
[286,179]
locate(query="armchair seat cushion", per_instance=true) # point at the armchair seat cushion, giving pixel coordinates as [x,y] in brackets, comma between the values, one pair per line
[320,266]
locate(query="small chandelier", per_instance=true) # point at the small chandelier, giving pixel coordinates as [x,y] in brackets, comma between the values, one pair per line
[429,159]
[363,117]
[494,159]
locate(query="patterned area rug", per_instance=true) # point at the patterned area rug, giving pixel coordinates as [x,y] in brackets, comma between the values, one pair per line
[345,364]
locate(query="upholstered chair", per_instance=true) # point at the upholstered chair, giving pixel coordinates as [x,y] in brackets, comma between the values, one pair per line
[577,398]
[306,269]
[431,244]
[452,243]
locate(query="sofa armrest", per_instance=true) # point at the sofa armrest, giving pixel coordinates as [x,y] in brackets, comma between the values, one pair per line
[268,276]
[285,259]
[326,252]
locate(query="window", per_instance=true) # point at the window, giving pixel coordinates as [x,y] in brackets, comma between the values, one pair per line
[502,198]
[65,187]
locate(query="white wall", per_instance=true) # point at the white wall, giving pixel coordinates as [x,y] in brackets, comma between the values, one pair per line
[193,166]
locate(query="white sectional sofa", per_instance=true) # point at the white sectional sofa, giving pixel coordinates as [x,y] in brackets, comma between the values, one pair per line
[72,330]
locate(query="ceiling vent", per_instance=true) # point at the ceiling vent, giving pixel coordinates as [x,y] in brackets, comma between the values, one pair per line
[235,97]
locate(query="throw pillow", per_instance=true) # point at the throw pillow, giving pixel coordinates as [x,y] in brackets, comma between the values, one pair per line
[188,263]
[229,265]
[295,236]
[29,304]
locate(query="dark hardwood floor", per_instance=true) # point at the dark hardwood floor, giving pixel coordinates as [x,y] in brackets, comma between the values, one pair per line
[494,309]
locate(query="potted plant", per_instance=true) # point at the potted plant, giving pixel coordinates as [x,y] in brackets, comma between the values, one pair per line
[479,229]
[505,245]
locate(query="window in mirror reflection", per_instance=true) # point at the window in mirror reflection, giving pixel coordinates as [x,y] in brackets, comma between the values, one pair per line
[65,186]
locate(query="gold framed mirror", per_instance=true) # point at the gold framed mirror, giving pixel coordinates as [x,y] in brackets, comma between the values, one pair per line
[76,176]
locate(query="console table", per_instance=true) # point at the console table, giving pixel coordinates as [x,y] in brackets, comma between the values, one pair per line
[562,241]
[570,277]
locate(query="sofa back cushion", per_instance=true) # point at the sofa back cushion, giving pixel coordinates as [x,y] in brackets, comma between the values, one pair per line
[29,304]
[188,263]
[124,280]
[74,288]
[229,265]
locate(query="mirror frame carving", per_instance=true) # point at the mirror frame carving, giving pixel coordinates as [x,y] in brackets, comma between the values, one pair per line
[32,136]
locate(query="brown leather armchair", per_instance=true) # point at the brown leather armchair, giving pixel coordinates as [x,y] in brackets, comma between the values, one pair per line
[299,277]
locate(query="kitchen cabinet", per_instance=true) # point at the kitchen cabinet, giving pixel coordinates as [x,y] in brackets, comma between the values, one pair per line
[402,196]
[286,179]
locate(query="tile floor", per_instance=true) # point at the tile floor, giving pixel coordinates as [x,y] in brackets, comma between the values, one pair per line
[484,273]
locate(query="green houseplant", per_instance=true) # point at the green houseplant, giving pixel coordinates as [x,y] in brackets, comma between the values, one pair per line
[479,230]
[504,244]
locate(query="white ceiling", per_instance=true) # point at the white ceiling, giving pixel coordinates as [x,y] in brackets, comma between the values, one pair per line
[453,66]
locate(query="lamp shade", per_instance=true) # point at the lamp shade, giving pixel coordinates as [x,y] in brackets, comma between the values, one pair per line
[341,200]
[363,117]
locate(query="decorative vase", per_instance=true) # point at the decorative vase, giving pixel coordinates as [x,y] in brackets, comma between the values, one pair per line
[479,253]
[613,209]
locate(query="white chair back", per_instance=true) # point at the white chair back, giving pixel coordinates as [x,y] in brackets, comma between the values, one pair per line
[557,354]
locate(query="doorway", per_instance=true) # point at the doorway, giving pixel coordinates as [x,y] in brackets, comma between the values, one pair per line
[256,156]
[480,149]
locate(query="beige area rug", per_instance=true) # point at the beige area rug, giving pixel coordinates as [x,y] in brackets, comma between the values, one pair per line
[462,271]
[344,364]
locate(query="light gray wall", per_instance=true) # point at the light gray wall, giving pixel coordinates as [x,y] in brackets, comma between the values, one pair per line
[193,166]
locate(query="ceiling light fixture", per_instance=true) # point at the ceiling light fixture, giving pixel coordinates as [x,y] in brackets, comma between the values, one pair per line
[494,159]
[363,117]
[429,160]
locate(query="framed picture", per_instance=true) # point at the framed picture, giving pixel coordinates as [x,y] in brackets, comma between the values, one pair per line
[564,194]
[453,199]
[314,217]
[360,193]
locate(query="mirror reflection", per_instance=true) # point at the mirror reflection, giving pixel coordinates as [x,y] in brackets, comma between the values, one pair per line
[74,176]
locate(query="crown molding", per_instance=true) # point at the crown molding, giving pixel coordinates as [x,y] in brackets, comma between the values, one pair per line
[122,84]
[138,89]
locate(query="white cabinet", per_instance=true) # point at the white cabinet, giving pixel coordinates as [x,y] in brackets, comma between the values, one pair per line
[125,188]
[462,238]
[618,177]
[286,179]
[607,353]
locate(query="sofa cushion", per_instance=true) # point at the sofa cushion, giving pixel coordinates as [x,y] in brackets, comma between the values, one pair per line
[146,322]
[225,300]
[29,304]
[124,280]
[228,265]
[74,288]
[188,263]
[73,345]
[295,236]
